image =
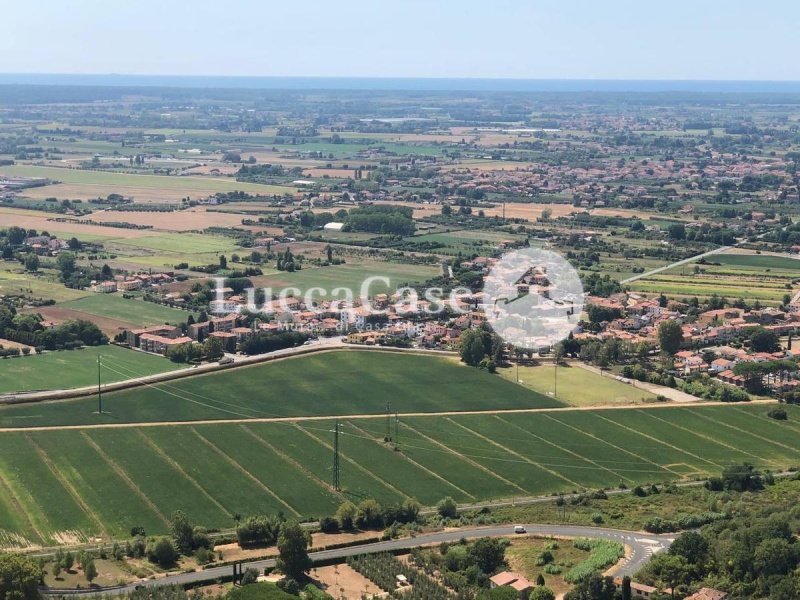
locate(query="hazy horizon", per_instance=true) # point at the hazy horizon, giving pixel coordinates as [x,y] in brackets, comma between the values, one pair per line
[507,39]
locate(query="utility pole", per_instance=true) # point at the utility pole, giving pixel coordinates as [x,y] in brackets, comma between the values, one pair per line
[397,429]
[555,380]
[388,422]
[99,393]
[336,485]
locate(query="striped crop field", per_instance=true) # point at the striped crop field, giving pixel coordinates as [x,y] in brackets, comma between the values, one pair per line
[65,485]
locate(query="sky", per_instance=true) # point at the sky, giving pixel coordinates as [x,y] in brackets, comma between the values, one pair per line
[529,39]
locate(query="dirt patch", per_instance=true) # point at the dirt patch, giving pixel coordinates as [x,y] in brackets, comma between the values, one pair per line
[530,212]
[43,222]
[318,540]
[341,581]
[9,344]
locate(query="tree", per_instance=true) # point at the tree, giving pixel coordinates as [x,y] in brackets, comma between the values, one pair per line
[182,531]
[447,508]
[32,262]
[669,570]
[346,515]
[293,544]
[764,340]
[213,348]
[19,577]
[65,262]
[626,588]
[106,273]
[692,546]
[69,561]
[488,554]
[503,592]
[163,552]
[741,478]
[472,349]
[223,262]
[57,569]
[90,571]
[329,253]
[670,336]
[676,231]
[541,592]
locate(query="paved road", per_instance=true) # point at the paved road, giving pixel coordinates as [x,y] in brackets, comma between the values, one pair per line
[685,261]
[641,548]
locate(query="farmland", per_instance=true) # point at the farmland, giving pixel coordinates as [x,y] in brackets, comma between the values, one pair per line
[577,386]
[337,383]
[136,476]
[88,184]
[133,311]
[765,278]
[350,276]
[73,368]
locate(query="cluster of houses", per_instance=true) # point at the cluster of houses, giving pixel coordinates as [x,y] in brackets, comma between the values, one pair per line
[45,245]
[128,283]
[712,330]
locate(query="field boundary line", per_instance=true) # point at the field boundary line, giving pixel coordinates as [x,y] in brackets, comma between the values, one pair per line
[174,464]
[662,442]
[68,486]
[744,431]
[369,473]
[450,413]
[710,439]
[416,464]
[125,477]
[793,425]
[567,450]
[618,448]
[244,471]
[297,465]
[515,453]
[10,493]
[466,459]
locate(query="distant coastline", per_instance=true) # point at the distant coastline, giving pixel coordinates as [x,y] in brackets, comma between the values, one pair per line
[401,84]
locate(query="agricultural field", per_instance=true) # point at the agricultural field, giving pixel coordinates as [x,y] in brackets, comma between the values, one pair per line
[766,278]
[327,384]
[74,368]
[138,475]
[87,184]
[15,281]
[350,276]
[576,386]
[135,312]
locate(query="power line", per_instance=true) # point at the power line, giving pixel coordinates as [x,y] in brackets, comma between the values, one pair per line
[336,482]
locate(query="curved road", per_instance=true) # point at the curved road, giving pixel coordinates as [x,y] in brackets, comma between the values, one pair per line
[641,548]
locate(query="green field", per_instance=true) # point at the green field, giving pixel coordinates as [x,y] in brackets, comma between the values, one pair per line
[133,311]
[350,276]
[335,383]
[137,476]
[124,180]
[577,386]
[760,261]
[74,368]
[16,282]
[749,276]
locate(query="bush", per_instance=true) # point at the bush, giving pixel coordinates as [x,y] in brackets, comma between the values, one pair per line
[328,525]
[447,508]
[778,414]
[162,552]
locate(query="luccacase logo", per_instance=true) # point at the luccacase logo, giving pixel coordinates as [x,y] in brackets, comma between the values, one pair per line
[533,298]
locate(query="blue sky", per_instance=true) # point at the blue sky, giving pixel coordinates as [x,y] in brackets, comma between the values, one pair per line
[566,39]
